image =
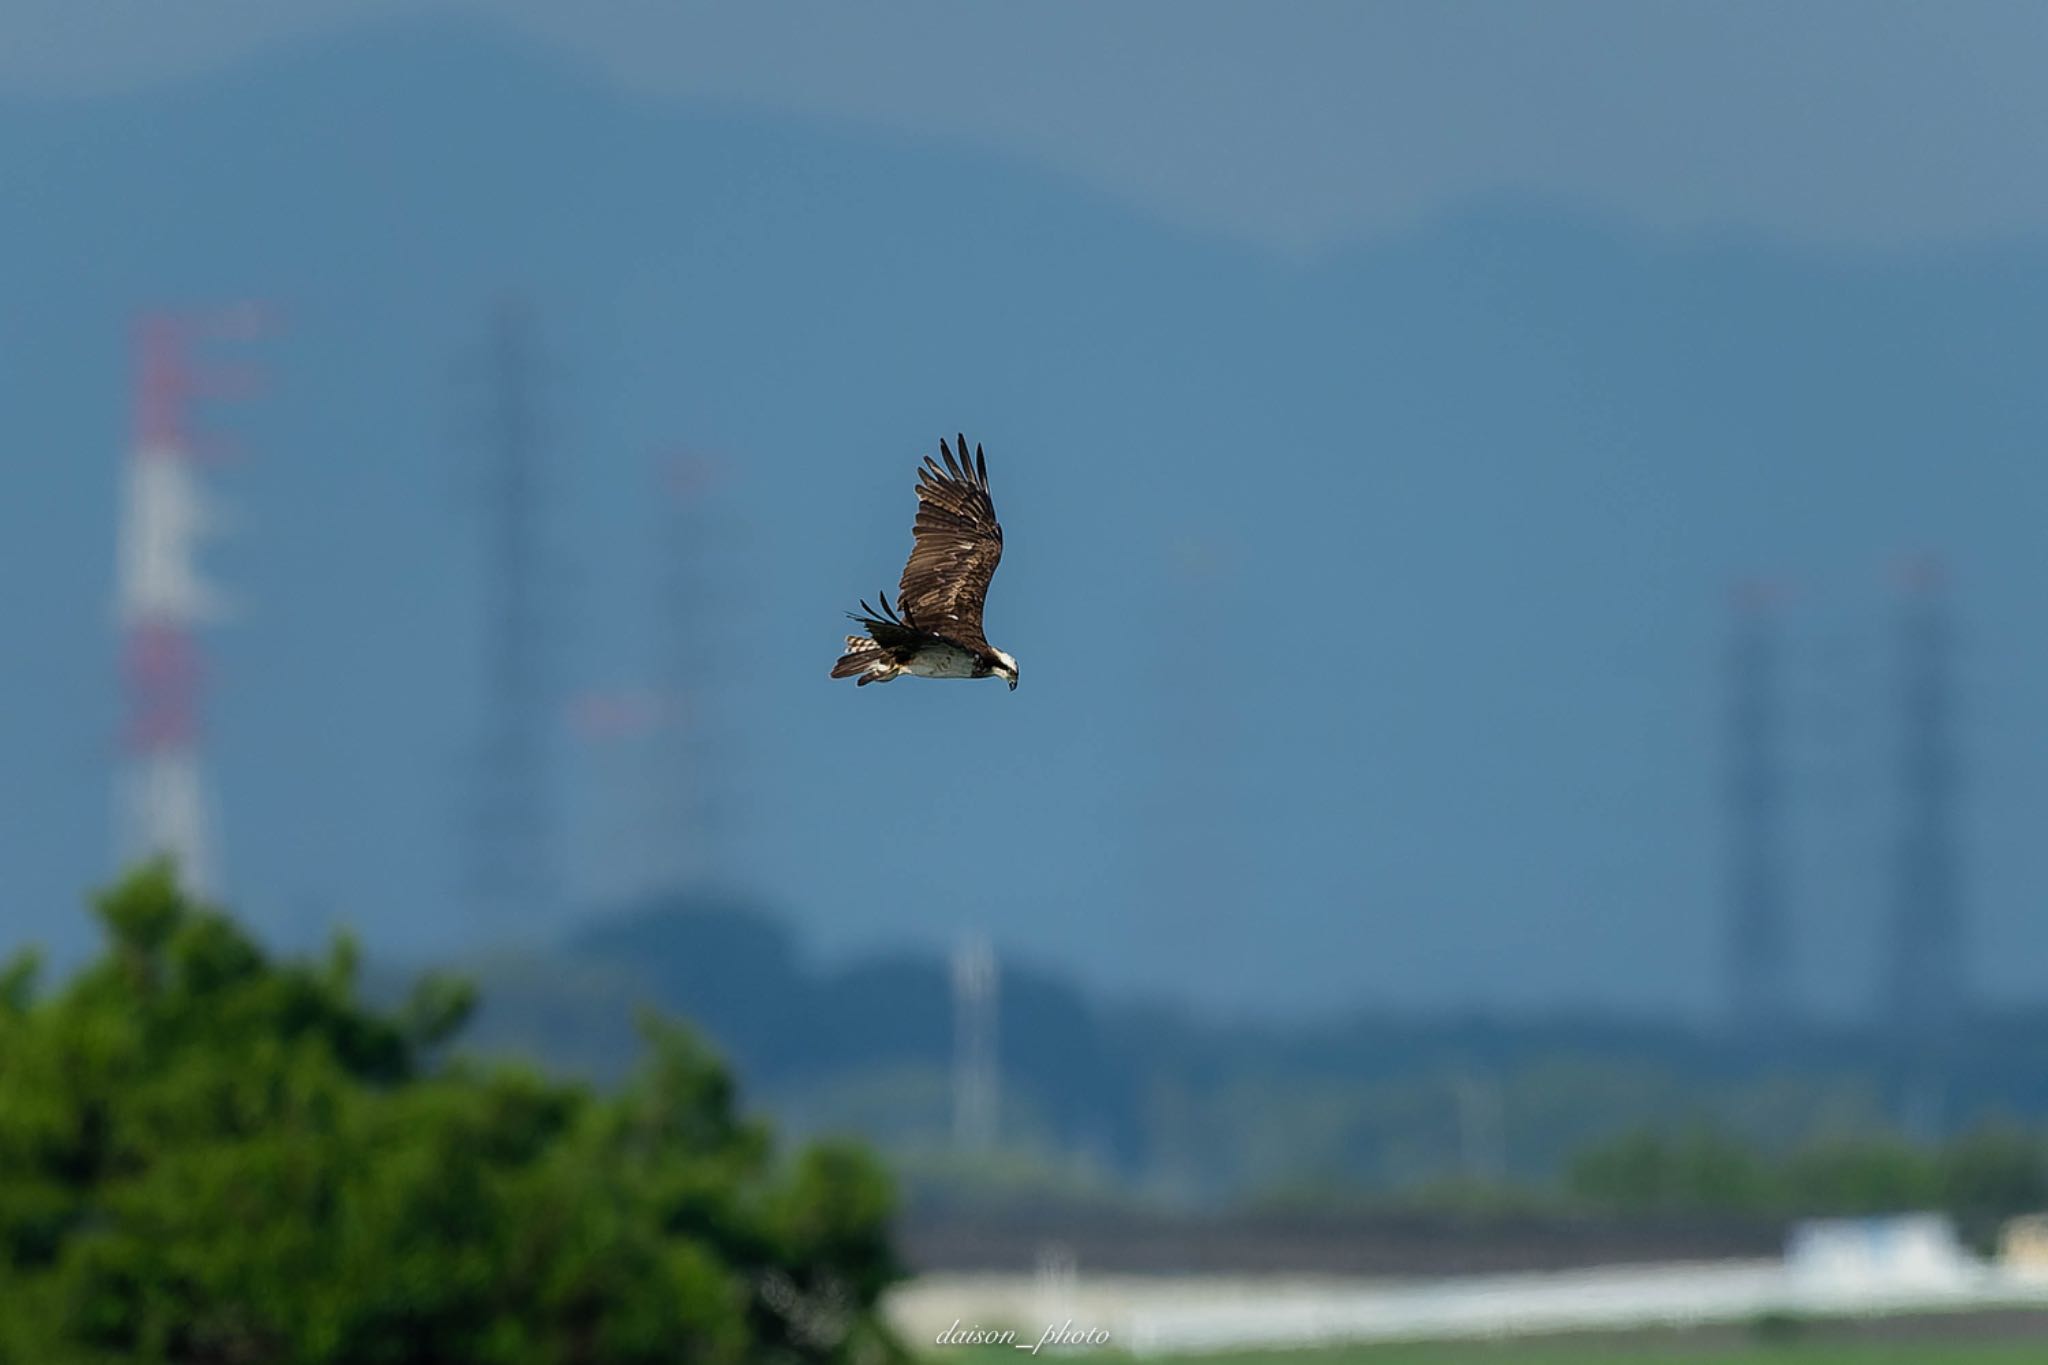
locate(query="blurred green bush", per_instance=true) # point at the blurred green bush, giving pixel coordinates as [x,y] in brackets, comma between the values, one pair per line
[207,1155]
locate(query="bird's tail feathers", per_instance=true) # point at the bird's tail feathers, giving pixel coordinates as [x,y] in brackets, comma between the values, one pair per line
[865,661]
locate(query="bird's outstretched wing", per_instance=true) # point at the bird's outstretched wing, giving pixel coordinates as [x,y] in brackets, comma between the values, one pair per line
[958,547]
[889,629]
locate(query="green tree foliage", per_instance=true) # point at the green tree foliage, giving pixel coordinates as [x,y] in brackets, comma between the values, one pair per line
[1695,1170]
[1989,1173]
[1994,1171]
[206,1155]
[1864,1174]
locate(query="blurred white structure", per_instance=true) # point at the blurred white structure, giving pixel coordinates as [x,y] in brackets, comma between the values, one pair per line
[1057,1278]
[1833,1268]
[976,1074]
[1912,1249]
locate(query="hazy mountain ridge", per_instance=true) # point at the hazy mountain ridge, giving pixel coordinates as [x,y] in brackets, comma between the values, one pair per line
[1487,482]
[1126,1098]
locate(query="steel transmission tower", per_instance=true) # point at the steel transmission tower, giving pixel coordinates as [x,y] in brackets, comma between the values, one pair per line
[161,803]
[664,745]
[1926,993]
[691,796]
[1197,889]
[514,875]
[1759,934]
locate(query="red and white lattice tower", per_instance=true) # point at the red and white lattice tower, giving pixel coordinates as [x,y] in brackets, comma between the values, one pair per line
[162,600]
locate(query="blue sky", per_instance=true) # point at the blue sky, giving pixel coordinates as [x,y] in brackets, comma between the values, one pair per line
[1381,403]
[1302,127]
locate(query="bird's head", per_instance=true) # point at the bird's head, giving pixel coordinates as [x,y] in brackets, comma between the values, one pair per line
[1006,667]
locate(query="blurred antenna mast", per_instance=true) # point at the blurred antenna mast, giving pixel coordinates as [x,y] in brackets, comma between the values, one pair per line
[664,752]
[1198,884]
[1759,936]
[977,1078]
[618,727]
[691,797]
[160,798]
[1927,992]
[514,878]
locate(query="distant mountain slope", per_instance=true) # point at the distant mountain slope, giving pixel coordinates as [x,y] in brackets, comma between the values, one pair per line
[1438,724]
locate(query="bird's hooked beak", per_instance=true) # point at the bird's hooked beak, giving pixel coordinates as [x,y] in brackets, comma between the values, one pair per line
[1013,682]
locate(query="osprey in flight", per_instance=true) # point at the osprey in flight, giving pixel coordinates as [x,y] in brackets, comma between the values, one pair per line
[934,630]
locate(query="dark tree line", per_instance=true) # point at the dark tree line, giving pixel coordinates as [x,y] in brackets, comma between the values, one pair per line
[1202,1113]
[1982,1176]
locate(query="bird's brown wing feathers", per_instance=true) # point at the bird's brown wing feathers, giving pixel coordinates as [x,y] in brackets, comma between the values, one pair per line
[959,544]
[890,628]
